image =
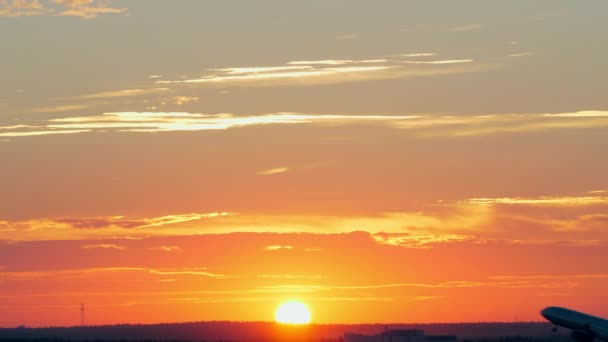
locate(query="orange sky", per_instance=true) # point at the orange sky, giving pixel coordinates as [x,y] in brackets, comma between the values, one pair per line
[410,162]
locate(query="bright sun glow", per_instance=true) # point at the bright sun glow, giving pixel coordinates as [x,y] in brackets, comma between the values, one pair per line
[292,313]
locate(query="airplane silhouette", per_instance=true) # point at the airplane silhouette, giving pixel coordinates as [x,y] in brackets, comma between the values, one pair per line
[585,328]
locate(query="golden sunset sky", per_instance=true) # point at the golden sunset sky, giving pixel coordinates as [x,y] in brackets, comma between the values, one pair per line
[379,161]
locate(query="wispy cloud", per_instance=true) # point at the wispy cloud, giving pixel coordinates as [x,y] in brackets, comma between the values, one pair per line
[311,76]
[455,284]
[78,8]
[182,100]
[86,8]
[13,127]
[189,272]
[290,276]
[101,271]
[104,246]
[19,8]
[98,227]
[447,61]
[50,109]
[329,71]
[278,248]
[284,169]
[41,132]
[420,126]
[122,222]
[479,125]
[180,121]
[550,276]
[262,70]
[166,248]
[419,240]
[565,221]
[307,65]
[521,54]
[543,201]
[418,54]
[273,171]
[121,93]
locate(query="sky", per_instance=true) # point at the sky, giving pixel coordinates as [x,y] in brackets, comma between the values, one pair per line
[381,162]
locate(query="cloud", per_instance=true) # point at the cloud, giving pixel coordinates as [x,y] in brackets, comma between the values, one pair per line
[290,276]
[42,132]
[98,227]
[419,54]
[273,171]
[121,93]
[564,221]
[51,109]
[261,70]
[172,219]
[480,125]
[378,299]
[550,277]
[448,61]
[329,71]
[278,248]
[181,121]
[521,54]
[283,169]
[453,284]
[102,271]
[100,222]
[86,8]
[418,126]
[61,274]
[310,64]
[182,100]
[121,222]
[189,272]
[14,127]
[542,201]
[104,246]
[325,75]
[80,8]
[166,248]
[419,240]
[19,8]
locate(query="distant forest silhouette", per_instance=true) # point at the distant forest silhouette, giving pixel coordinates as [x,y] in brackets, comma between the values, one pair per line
[267,331]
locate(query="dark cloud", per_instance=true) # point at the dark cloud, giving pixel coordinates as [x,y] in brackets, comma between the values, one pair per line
[99,223]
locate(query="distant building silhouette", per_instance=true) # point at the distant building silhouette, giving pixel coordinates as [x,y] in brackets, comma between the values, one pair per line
[399,335]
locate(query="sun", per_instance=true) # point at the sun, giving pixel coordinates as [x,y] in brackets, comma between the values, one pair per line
[292,313]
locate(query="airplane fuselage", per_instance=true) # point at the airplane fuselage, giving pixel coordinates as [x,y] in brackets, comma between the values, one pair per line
[584,326]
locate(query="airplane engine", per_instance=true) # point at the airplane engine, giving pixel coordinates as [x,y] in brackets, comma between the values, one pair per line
[581,336]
